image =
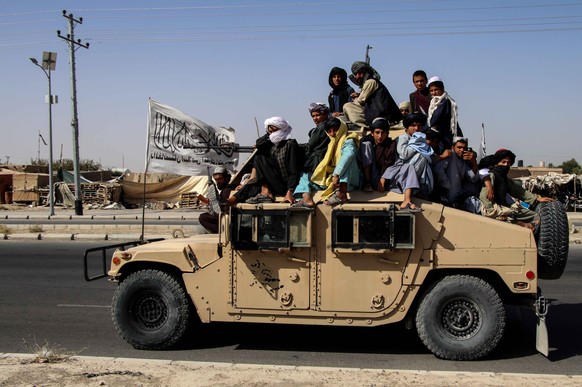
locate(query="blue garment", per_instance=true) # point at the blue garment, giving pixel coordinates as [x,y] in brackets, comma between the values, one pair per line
[409,155]
[418,143]
[347,169]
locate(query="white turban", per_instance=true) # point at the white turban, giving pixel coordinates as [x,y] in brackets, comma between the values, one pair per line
[284,132]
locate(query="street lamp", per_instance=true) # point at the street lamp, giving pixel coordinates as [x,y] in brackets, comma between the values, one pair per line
[49,61]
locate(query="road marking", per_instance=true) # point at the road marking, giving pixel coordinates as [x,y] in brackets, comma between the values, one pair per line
[83,306]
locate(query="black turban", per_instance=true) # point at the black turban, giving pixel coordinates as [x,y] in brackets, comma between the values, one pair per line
[380,123]
[412,118]
[501,154]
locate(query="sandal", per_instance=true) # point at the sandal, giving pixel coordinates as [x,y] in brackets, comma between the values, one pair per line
[408,208]
[333,200]
[301,204]
[260,198]
[367,188]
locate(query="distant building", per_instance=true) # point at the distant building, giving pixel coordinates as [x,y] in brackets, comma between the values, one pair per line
[532,171]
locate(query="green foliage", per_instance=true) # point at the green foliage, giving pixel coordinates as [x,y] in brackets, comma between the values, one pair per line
[39,162]
[68,165]
[571,166]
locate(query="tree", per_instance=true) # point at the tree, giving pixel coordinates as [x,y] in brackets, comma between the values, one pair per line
[68,165]
[89,165]
[571,166]
[39,162]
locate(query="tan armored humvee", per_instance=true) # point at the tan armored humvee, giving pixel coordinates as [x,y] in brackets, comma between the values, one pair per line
[363,263]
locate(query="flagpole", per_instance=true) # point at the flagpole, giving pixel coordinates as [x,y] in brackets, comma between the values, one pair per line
[142,236]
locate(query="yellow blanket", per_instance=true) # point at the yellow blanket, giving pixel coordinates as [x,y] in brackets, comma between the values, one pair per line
[323,173]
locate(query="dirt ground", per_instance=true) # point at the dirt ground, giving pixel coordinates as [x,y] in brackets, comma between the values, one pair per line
[22,370]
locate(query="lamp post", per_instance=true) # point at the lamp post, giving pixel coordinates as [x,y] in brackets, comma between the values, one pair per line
[49,60]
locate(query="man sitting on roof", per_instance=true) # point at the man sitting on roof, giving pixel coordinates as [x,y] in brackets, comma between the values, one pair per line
[510,198]
[277,166]
[338,172]
[373,101]
[377,152]
[457,177]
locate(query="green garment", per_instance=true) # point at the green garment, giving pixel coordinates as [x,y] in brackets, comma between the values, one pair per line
[516,211]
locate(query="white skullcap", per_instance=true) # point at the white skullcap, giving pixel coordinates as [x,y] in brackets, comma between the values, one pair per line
[219,171]
[436,78]
[456,139]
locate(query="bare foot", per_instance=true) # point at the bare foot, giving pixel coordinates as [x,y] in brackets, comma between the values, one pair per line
[526,225]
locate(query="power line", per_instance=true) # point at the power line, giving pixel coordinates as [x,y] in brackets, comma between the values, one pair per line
[282,31]
[310,5]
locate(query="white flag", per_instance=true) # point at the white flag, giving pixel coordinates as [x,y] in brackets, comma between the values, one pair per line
[482,150]
[180,144]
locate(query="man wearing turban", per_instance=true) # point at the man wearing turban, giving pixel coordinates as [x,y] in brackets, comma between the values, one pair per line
[374,99]
[510,199]
[277,165]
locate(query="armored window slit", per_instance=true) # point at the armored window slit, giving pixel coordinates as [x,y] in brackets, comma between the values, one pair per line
[372,231]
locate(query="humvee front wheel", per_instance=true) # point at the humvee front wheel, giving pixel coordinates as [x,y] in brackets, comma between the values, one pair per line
[150,310]
[461,317]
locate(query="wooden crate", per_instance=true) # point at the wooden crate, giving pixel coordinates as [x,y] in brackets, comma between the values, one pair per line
[98,193]
[25,197]
[189,199]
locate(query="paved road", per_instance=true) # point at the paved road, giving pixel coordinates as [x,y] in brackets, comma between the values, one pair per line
[45,299]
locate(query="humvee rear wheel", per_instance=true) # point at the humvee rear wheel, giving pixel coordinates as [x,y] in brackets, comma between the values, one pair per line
[461,317]
[553,240]
[150,310]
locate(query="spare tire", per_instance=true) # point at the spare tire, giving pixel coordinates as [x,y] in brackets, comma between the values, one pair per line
[553,240]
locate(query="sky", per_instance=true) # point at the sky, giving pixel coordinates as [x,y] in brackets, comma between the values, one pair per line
[511,66]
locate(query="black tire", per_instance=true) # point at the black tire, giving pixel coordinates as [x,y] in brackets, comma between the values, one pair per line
[460,318]
[150,310]
[553,240]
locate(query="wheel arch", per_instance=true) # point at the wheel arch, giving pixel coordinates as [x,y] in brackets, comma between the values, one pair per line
[489,276]
[131,267]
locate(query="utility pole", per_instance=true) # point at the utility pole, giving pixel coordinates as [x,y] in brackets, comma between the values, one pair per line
[73,46]
[368,48]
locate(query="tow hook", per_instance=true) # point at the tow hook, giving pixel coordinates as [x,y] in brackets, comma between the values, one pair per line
[541,306]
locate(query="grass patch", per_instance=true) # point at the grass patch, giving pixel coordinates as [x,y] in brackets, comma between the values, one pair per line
[35,228]
[5,229]
[49,353]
